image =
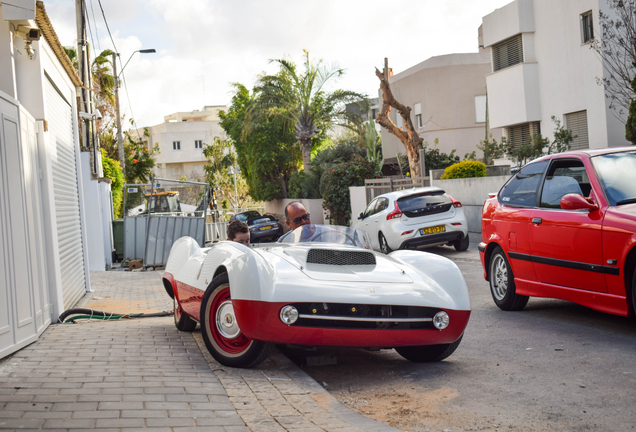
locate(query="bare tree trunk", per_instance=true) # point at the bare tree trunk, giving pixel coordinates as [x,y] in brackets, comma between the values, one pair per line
[305,148]
[411,140]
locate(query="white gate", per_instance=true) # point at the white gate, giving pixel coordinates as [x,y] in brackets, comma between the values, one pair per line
[24,301]
[66,196]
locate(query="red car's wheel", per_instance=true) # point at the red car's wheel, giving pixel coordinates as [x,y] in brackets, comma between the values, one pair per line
[181,320]
[502,283]
[221,332]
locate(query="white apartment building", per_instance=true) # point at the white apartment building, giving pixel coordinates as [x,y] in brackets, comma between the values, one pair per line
[181,138]
[543,66]
[447,96]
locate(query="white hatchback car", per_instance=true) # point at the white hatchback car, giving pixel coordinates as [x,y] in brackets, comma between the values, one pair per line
[415,217]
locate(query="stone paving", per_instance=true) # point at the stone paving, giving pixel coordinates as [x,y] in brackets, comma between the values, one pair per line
[139,374]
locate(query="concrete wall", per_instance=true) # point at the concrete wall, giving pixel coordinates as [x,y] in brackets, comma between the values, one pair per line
[358,202]
[472,193]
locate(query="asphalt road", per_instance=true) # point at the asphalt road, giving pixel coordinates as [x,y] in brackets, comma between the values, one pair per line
[555,366]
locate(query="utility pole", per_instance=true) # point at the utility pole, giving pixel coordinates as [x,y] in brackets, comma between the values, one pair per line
[120,140]
[87,118]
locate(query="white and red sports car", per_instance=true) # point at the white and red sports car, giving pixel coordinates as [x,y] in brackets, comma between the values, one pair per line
[320,286]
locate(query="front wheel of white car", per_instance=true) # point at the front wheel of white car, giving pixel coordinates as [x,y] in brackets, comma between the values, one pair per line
[384,246]
[221,332]
[428,353]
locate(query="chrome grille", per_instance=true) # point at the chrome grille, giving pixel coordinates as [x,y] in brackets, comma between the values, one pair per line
[336,257]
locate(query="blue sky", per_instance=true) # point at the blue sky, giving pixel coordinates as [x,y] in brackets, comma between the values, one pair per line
[205,45]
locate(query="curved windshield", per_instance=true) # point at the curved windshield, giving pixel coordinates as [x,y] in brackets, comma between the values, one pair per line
[328,234]
[617,174]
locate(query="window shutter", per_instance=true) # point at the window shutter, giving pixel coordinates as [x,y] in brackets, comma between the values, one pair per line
[520,135]
[577,123]
[507,53]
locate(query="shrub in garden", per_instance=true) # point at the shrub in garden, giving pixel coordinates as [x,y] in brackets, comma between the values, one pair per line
[465,169]
[335,184]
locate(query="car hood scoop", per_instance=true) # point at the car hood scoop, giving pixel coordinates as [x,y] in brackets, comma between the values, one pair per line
[345,265]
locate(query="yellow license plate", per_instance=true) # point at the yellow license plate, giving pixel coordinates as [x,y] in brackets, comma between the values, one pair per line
[433,230]
[266,228]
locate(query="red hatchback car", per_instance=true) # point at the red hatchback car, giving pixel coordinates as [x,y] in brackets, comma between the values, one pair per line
[564,227]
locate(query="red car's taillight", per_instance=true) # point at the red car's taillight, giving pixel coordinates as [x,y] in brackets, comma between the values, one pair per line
[395,214]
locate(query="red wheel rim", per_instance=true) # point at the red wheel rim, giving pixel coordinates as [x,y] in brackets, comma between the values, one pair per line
[231,346]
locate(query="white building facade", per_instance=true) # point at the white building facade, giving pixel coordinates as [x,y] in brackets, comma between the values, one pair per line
[543,66]
[447,97]
[43,228]
[181,138]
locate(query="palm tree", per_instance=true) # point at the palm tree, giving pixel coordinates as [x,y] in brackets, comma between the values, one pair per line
[300,98]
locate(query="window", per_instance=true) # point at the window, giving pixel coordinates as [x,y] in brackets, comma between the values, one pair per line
[198,144]
[382,204]
[564,177]
[399,122]
[480,109]
[176,145]
[370,210]
[577,123]
[587,28]
[520,134]
[507,53]
[418,115]
[521,190]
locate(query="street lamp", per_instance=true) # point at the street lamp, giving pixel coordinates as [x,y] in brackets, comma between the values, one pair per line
[232,170]
[120,139]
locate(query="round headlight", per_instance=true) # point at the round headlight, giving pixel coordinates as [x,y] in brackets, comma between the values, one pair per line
[288,314]
[441,320]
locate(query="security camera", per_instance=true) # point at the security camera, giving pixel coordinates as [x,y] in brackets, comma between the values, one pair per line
[98,115]
[28,33]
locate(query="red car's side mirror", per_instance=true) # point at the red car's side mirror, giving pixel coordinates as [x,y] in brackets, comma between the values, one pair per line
[576,201]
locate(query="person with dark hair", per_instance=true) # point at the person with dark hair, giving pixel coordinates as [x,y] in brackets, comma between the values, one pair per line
[239,232]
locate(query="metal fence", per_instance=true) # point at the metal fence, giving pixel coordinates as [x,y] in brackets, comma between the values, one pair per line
[157,214]
[375,187]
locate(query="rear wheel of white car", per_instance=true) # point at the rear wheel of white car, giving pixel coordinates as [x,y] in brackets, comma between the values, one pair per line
[428,353]
[502,283]
[221,332]
[181,320]
[384,246]
[462,245]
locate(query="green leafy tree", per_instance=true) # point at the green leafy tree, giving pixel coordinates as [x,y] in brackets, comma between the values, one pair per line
[221,158]
[492,149]
[139,161]
[335,183]
[374,145]
[539,145]
[301,100]
[267,155]
[307,184]
[103,82]
[112,170]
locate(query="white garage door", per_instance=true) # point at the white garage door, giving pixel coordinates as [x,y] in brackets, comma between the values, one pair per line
[67,212]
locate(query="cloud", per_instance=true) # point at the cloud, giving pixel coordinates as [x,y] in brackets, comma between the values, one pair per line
[205,45]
